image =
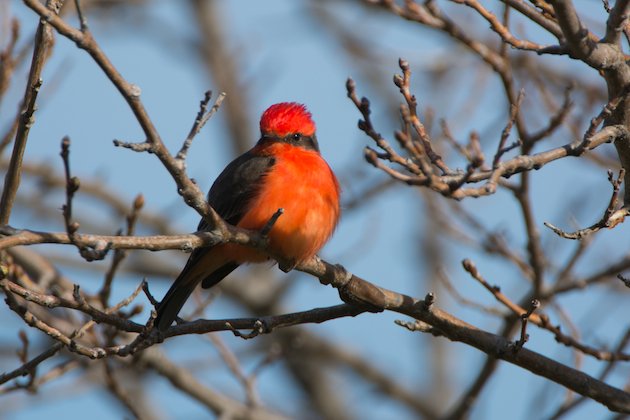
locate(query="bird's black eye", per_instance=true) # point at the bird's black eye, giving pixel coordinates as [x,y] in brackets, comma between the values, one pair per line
[296,136]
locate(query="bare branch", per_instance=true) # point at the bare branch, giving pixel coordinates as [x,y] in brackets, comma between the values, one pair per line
[540,320]
[43,46]
[500,29]
[612,215]
[15,237]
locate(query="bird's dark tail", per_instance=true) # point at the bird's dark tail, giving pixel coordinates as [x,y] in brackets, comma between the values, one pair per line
[173,302]
[218,275]
[181,290]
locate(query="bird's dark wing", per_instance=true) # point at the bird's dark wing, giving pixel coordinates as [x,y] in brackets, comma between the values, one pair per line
[236,186]
[230,196]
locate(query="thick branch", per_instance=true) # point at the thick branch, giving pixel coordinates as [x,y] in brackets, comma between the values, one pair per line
[265,325]
[582,44]
[607,57]
[457,330]
[15,237]
[517,164]
[616,20]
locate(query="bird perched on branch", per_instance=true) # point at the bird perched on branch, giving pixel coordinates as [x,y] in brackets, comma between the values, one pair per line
[284,170]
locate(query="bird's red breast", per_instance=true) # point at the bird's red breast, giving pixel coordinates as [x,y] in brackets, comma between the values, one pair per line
[303,184]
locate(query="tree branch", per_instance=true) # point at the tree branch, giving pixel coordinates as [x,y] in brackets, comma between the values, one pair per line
[43,46]
[457,330]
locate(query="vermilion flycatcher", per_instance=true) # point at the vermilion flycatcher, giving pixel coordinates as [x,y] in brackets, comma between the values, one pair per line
[284,170]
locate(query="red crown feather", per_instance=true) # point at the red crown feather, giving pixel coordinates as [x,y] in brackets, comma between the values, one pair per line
[287,118]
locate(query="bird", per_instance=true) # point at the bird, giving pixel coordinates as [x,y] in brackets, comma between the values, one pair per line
[284,170]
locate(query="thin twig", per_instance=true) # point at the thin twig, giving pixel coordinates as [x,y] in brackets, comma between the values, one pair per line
[524,318]
[72,186]
[202,118]
[82,19]
[501,148]
[119,254]
[271,222]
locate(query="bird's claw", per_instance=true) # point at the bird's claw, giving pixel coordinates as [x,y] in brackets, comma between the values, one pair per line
[287,265]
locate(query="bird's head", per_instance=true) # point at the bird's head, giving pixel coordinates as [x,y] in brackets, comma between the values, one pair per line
[291,123]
